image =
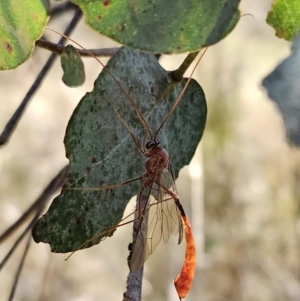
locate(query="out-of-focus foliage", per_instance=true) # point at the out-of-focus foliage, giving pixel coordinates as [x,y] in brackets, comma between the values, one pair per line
[283,87]
[21,24]
[251,185]
[285,18]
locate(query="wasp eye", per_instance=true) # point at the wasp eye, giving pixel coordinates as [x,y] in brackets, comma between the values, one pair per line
[152,143]
[149,144]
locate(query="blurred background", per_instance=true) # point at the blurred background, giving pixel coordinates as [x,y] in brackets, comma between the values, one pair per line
[241,191]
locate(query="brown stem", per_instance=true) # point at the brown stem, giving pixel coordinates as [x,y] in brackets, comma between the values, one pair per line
[39,206]
[58,49]
[20,267]
[15,118]
[55,184]
[135,278]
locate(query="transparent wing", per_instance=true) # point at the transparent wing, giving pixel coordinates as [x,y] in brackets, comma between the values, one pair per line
[161,219]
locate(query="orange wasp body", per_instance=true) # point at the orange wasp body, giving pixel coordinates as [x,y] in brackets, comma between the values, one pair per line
[157,163]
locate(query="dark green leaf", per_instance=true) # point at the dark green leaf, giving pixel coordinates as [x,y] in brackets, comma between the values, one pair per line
[168,26]
[21,24]
[285,18]
[73,67]
[101,151]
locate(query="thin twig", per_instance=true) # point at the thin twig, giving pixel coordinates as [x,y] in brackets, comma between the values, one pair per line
[177,75]
[135,278]
[12,123]
[55,184]
[43,198]
[19,239]
[21,264]
[58,49]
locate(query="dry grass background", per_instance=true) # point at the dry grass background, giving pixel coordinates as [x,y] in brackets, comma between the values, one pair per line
[241,191]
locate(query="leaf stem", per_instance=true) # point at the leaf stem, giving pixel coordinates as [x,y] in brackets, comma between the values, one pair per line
[177,75]
[58,49]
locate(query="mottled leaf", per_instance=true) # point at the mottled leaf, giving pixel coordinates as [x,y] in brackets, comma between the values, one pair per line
[102,152]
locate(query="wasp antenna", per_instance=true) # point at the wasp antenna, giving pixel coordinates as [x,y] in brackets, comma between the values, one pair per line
[126,125]
[139,113]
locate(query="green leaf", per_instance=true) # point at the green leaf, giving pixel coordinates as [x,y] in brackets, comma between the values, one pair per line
[168,26]
[284,17]
[73,67]
[102,152]
[21,24]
